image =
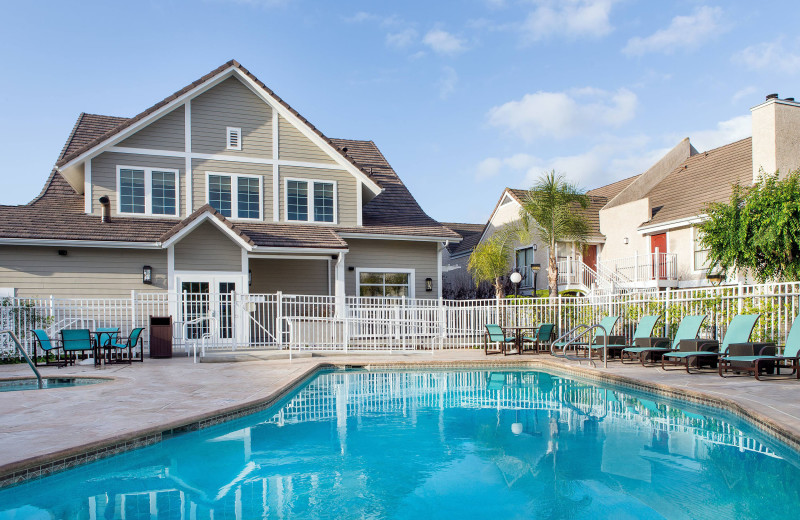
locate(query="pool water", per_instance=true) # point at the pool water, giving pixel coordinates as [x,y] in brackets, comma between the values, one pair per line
[439,444]
[14,385]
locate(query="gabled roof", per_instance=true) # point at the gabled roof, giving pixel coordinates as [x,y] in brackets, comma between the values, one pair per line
[700,179]
[591,213]
[470,236]
[87,129]
[609,191]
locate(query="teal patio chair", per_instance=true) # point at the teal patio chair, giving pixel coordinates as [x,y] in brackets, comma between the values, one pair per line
[42,341]
[542,337]
[75,341]
[106,336]
[643,330]
[133,340]
[496,335]
[754,364]
[739,331]
[688,329]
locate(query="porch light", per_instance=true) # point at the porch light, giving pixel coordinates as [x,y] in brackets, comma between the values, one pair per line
[535,247]
[516,277]
[625,241]
[147,275]
[428,284]
[715,279]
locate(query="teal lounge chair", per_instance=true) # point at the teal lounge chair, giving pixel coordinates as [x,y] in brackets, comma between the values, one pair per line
[495,334]
[543,336]
[643,330]
[133,339]
[754,364]
[42,341]
[75,341]
[739,331]
[688,329]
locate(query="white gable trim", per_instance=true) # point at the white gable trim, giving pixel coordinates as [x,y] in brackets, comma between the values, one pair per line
[506,195]
[135,127]
[207,216]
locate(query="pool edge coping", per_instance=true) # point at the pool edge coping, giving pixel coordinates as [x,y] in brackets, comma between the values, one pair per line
[40,466]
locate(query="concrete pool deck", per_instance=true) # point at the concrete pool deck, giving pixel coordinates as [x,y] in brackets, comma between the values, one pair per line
[49,430]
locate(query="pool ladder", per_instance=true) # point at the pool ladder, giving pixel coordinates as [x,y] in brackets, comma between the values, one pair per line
[575,338]
[21,350]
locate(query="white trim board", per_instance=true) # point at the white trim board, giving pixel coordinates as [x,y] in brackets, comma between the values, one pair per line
[408,238]
[207,216]
[47,242]
[682,222]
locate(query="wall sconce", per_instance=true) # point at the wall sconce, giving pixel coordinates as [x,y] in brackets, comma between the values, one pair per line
[147,275]
[249,277]
[715,279]
[62,252]
[428,284]
[535,247]
[625,241]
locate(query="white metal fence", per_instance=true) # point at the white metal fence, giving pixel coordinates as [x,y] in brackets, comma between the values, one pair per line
[301,322]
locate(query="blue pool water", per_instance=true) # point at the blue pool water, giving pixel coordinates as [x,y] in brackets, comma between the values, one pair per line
[439,444]
[15,385]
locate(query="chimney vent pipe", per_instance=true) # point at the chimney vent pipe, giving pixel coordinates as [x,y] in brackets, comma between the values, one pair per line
[772,96]
[106,209]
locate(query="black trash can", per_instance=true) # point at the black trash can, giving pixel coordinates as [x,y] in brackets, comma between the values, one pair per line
[160,336]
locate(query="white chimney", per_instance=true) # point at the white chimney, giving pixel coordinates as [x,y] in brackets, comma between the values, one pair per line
[776,136]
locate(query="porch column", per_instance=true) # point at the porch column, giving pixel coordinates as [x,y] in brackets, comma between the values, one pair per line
[339,286]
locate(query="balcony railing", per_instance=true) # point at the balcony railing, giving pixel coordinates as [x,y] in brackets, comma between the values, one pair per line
[642,268]
[575,274]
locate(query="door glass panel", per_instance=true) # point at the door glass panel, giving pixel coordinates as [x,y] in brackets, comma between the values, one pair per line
[226,309]
[195,304]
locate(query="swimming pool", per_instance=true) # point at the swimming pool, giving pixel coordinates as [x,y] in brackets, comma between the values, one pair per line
[14,385]
[439,444]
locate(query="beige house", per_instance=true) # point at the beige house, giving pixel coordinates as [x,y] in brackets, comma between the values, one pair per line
[220,187]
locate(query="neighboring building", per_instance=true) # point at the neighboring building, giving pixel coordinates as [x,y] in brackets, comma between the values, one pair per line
[455,257]
[220,187]
[643,228]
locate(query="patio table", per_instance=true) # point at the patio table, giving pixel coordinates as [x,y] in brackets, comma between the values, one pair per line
[519,333]
[97,351]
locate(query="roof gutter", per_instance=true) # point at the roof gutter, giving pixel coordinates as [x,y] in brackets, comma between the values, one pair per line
[79,243]
[413,238]
[664,226]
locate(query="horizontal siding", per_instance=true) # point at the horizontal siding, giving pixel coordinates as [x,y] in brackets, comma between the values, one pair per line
[289,276]
[199,188]
[104,176]
[83,273]
[294,146]
[166,133]
[346,186]
[231,104]
[420,256]
[206,248]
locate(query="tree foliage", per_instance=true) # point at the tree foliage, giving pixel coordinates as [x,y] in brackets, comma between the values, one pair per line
[758,229]
[490,260]
[549,212]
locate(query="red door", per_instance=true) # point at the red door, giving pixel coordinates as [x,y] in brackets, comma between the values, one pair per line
[590,257]
[658,243]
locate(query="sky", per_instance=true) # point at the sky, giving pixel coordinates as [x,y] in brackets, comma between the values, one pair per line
[464,98]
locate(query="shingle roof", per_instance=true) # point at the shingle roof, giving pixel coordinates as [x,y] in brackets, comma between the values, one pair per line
[470,236]
[591,213]
[87,129]
[702,178]
[610,191]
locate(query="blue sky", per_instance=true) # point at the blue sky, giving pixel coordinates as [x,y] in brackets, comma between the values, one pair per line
[464,98]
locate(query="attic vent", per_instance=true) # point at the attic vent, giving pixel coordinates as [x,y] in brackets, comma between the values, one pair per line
[234,138]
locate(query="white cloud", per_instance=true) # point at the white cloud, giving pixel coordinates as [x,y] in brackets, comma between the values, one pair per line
[447,83]
[442,42]
[684,32]
[402,39]
[564,114]
[571,18]
[743,93]
[726,132]
[770,56]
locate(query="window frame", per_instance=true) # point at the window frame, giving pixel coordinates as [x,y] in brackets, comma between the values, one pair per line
[235,194]
[310,200]
[695,268]
[387,270]
[228,132]
[148,192]
[526,283]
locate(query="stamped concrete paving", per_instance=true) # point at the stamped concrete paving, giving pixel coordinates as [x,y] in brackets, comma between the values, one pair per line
[38,426]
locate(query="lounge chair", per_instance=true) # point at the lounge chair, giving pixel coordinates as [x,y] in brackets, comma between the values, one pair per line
[43,341]
[755,364]
[75,341]
[542,337]
[133,339]
[739,331]
[643,330]
[495,334]
[688,329]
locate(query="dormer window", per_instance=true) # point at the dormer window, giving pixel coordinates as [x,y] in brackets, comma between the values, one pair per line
[234,138]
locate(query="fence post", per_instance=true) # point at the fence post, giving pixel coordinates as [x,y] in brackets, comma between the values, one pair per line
[279,318]
[558,311]
[442,325]
[133,309]
[741,298]
[666,312]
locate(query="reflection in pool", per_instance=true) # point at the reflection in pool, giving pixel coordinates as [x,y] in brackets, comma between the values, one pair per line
[437,444]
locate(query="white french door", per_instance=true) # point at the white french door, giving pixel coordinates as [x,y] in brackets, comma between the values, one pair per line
[209,296]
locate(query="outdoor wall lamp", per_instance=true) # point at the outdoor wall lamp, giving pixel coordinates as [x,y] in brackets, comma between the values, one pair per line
[625,241]
[428,284]
[147,275]
[715,278]
[535,247]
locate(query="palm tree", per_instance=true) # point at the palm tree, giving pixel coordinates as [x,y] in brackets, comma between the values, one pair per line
[549,211]
[490,260]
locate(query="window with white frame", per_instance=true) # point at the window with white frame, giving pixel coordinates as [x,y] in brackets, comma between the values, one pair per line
[234,138]
[310,201]
[700,252]
[235,196]
[385,282]
[147,191]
